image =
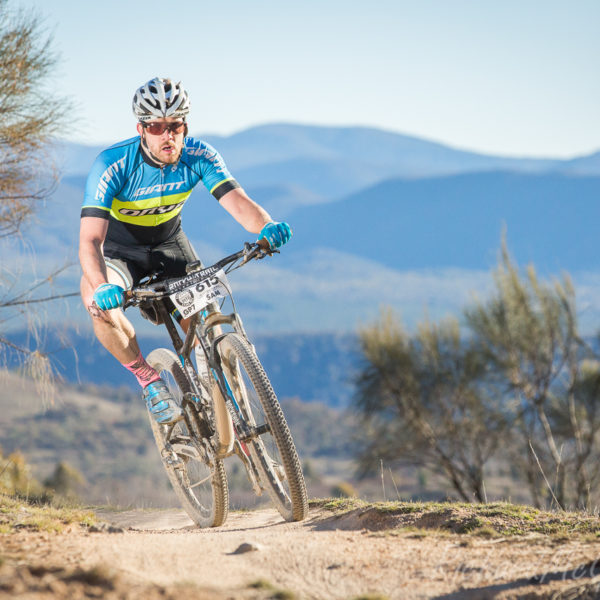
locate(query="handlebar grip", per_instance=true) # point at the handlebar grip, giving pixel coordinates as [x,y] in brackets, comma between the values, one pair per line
[264,244]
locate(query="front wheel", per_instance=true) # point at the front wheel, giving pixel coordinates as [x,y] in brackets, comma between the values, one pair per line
[197,477]
[271,449]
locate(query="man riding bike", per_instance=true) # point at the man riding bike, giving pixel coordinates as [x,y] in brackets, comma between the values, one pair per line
[131,224]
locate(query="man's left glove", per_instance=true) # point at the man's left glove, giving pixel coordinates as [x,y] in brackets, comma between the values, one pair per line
[108,295]
[277,234]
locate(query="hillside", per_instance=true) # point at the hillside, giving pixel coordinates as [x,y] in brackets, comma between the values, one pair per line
[457,221]
[584,165]
[316,367]
[104,433]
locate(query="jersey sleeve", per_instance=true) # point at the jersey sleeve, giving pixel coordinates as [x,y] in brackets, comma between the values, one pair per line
[214,173]
[102,185]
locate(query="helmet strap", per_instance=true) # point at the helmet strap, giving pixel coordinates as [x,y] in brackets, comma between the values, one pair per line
[151,159]
[149,156]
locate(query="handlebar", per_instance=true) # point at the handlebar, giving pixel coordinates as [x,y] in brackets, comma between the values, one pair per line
[166,287]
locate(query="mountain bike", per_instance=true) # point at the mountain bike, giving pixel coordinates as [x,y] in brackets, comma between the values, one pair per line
[229,406]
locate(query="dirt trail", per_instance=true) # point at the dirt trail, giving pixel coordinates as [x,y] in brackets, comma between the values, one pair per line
[326,556]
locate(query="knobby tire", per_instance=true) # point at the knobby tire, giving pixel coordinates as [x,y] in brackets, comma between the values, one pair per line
[207,504]
[274,450]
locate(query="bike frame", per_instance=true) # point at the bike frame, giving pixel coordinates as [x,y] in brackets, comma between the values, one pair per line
[202,326]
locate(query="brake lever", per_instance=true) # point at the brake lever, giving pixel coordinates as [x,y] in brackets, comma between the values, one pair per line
[264,253]
[256,251]
[128,299]
[131,299]
[259,250]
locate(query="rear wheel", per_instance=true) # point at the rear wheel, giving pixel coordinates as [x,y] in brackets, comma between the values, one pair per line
[198,478]
[272,449]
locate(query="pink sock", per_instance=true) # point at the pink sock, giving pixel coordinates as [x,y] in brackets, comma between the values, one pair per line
[144,373]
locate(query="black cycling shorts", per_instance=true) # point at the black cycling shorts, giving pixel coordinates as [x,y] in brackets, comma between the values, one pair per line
[133,263]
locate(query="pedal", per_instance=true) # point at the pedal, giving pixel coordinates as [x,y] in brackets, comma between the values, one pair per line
[180,446]
[185,450]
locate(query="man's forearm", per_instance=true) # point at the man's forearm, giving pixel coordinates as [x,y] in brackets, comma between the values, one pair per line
[254,220]
[92,263]
[250,215]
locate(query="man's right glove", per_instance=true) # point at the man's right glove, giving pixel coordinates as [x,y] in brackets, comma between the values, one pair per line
[108,295]
[277,234]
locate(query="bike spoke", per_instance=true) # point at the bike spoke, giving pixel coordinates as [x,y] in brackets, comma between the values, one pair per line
[201,481]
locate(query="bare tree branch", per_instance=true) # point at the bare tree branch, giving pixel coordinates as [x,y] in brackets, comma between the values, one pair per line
[31,114]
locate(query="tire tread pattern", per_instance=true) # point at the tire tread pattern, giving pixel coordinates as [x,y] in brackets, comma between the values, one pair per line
[278,425]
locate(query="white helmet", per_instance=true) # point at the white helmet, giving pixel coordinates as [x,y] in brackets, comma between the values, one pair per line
[160,98]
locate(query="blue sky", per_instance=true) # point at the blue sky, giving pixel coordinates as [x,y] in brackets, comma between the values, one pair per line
[512,77]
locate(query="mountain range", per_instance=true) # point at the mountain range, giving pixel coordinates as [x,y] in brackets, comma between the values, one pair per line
[385,153]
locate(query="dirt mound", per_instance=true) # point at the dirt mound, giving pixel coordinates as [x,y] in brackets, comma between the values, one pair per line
[487,520]
[41,582]
[377,519]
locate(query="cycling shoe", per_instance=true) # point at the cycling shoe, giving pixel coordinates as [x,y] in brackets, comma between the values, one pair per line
[161,404]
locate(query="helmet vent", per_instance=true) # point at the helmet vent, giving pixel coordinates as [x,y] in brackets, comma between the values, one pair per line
[160,98]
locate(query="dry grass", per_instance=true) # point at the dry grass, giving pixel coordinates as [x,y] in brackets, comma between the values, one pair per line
[16,514]
[498,519]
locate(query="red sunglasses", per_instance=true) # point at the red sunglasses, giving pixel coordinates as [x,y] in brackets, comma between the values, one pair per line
[160,128]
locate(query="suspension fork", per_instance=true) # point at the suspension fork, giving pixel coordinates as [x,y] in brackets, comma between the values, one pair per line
[218,373]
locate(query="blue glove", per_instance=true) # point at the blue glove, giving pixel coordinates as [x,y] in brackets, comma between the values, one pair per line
[277,234]
[108,295]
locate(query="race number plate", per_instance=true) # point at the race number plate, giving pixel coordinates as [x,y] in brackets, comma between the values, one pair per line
[195,297]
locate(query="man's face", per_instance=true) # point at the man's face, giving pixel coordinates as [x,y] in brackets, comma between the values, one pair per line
[165,146]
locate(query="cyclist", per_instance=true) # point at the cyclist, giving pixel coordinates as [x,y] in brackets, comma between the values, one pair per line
[131,225]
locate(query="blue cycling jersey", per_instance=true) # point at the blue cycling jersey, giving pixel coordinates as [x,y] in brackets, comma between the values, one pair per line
[143,201]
